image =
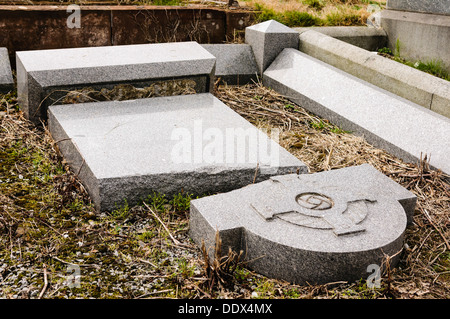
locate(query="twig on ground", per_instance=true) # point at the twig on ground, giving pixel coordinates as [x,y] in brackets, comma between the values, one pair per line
[45,283]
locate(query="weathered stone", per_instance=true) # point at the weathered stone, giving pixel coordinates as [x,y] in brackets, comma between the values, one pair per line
[419,36]
[6,78]
[235,63]
[390,122]
[425,6]
[419,87]
[40,74]
[126,150]
[366,38]
[310,228]
[268,39]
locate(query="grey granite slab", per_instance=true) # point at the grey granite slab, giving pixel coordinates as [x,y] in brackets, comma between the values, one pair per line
[6,78]
[191,143]
[235,63]
[41,72]
[424,6]
[390,122]
[417,86]
[268,39]
[309,228]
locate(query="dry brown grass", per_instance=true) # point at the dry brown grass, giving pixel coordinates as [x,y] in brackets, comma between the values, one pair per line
[145,252]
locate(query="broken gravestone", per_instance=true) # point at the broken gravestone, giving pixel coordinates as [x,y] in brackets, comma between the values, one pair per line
[44,77]
[310,228]
[126,150]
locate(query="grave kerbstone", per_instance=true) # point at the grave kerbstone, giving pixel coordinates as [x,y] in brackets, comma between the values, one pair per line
[310,228]
[417,86]
[235,63]
[6,78]
[402,128]
[268,39]
[44,76]
[126,150]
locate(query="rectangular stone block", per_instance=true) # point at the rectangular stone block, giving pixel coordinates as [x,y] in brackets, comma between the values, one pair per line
[366,38]
[420,36]
[425,6]
[45,72]
[235,63]
[126,150]
[309,228]
[268,39]
[390,122]
[6,78]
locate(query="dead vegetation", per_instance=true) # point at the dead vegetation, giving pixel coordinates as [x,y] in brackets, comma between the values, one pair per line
[47,222]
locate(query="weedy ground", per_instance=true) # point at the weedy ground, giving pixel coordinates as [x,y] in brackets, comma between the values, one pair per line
[48,224]
[293,13]
[433,67]
[304,13]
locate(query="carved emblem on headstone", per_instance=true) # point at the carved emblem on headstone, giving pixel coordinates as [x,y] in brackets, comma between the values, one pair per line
[318,208]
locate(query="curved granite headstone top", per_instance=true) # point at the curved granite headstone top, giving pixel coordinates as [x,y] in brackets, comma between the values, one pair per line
[313,228]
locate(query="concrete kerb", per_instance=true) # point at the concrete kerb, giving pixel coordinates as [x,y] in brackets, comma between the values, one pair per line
[366,38]
[44,73]
[419,87]
[386,120]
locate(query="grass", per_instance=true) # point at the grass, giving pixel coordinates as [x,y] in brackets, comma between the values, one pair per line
[433,67]
[304,13]
[48,224]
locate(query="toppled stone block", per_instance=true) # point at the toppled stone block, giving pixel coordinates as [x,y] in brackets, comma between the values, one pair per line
[126,150]
[45,76]
[310,228]
[268,39]
[235,64]
[400,127]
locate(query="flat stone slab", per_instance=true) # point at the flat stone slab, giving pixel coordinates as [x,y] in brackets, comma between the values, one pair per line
[424,6]
[42,73]
[192,143]
[235,64]
[309,228]
[6,78]
[390,122]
